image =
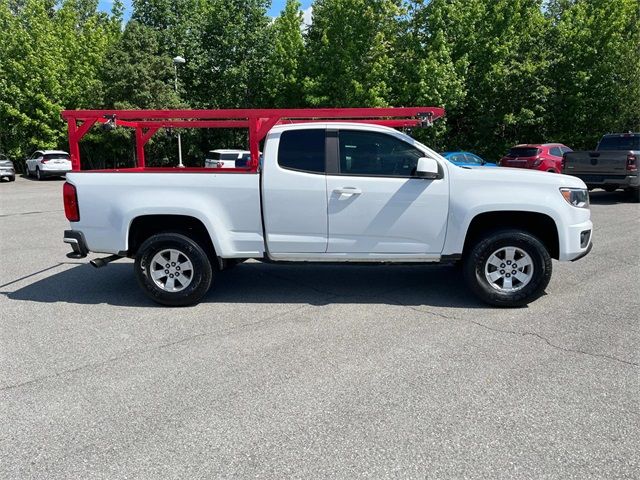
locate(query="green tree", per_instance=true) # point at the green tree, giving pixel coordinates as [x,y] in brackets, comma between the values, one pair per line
[136,75]
[31,94]
[50,59]
[284,68]
[595,69]
[500,64]
[426,73]
[350,52]
[228,66]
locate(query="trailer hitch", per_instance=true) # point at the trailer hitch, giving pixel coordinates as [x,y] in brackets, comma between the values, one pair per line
[104,261]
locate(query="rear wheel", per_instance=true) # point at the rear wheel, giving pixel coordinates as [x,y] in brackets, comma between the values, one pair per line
[633,194]
[610,188]
[508,268]
[12,178]
[173,269]
[39,175]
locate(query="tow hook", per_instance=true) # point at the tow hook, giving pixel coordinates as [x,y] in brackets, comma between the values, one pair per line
[104,261]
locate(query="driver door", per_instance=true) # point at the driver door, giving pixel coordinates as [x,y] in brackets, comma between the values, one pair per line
[376,204]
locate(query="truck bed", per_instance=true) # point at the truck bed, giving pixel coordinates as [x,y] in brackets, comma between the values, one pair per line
[228,204]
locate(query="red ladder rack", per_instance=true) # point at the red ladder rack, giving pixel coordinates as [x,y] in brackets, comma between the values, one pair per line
[258,121]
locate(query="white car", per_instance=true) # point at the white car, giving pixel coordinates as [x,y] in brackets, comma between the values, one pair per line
[333,192]
[227,158]
[48,163]
[6,169]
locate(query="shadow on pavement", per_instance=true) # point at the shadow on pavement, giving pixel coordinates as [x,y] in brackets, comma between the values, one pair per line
[254,282]
[44,179]
[600,197]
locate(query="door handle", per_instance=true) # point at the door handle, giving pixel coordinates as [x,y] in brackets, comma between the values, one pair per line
[349,191]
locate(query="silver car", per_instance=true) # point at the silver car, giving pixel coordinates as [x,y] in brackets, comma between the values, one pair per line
[6,169]
[48,163]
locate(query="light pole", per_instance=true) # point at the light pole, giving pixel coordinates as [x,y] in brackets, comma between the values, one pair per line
[178,61]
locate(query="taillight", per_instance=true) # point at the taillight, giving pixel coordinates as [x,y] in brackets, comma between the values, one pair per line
[70,196]
[563,162]
[44,160]
[632,162]
[537,162]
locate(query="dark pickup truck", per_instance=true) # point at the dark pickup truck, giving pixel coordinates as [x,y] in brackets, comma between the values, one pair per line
[613,164]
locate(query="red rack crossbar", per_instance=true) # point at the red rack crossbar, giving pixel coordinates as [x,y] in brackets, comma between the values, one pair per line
[258,121]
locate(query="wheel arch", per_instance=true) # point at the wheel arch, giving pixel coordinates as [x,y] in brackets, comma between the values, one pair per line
[540,225]
[144,226]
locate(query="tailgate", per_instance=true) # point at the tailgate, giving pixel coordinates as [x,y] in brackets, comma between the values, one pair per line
[604,162]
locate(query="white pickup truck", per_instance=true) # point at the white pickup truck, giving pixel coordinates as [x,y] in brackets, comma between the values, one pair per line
[333,192]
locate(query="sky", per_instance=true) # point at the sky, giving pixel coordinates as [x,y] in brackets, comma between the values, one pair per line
[274,11]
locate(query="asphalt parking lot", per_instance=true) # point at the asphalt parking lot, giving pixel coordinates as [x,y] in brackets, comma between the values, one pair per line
[314,371]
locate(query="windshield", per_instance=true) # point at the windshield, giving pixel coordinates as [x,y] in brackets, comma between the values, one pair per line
[523,152]
[623,142]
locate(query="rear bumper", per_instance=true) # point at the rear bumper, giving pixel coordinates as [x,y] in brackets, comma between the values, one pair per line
[53,173]
[77,242]
[596,180]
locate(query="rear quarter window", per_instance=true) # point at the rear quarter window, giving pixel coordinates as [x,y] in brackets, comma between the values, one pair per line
[555,151]
[302,150]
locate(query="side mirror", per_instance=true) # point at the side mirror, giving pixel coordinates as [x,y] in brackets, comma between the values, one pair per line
[427,168]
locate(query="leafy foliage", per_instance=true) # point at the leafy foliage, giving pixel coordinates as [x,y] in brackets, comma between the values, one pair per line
[507,71]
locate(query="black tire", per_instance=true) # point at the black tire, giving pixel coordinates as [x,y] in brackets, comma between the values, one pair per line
[476,261]
[12,178]
[39,175]
[633,194]
[610,188]
[201,276]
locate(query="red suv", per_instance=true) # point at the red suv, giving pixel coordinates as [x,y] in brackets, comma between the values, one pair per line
[546,157]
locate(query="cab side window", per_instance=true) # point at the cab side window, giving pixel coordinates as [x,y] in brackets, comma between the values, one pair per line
[302,150]
[376,154]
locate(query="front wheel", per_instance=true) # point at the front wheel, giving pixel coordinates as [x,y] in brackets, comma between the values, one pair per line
[508,268]
[173,270]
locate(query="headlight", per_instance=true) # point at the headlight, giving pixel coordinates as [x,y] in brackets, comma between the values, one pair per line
[578,197]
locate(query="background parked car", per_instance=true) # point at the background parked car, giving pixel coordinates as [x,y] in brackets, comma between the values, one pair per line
[48,163]
[612,165]
[546,157]
[466,159]
[227,158]
[6,169]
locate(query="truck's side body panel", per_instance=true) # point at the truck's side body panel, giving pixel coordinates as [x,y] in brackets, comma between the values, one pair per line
[478,191]
[227,204]
[307,218]
[387,215]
